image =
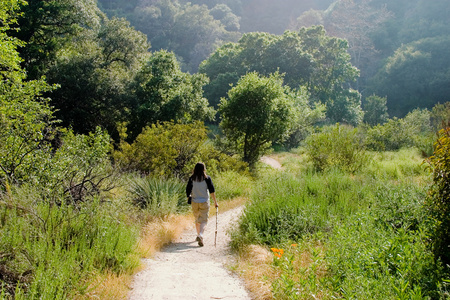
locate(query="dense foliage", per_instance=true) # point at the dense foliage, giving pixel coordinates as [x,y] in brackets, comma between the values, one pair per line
[439,198]
[378,32]
[171,149]
[258,111]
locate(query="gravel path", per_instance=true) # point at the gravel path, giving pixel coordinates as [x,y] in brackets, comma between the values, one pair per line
[183,270]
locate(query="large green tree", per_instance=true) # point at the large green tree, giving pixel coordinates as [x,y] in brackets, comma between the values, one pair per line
[46,26]
[93,74]
[162,92]
[258,111]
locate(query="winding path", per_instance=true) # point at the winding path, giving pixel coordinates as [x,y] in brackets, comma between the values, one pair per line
[183,270]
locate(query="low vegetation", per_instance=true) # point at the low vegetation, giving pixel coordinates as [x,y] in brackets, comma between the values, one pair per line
[335,234]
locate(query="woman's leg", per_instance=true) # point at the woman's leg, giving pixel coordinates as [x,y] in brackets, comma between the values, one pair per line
[202,228]
[198,227]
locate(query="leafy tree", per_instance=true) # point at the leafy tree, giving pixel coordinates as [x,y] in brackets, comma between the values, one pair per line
[46,26]
[306,117]
[415,76]
[375,110]
[332,75]
[258,111]
[25,117]
[355,21]
[93,75]
[224,14]
[308,57]
[164,93]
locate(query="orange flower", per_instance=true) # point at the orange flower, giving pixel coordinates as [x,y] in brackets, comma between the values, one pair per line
[293,245]
[277,252]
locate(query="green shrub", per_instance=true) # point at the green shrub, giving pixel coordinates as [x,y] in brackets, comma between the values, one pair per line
[337,146]
[438,202]
[160,197]
[80,167]
[172,149]
[414,130]
[162,149]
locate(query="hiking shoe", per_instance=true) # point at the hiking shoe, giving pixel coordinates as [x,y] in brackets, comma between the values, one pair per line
[200,241]
[197,239]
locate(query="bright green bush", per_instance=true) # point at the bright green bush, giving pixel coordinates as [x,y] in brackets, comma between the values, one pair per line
[414,130]
[79,168]
[172,149]
[336,147]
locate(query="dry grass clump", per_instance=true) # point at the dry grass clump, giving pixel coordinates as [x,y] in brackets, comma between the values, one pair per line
[160,232]
[255,267]
[107,286]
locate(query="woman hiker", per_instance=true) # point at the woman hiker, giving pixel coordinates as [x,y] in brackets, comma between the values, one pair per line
[199,189]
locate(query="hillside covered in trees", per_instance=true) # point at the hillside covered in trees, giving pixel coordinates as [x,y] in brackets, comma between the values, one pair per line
[389,41]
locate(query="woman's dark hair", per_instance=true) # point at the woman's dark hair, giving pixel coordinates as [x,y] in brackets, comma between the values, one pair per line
[199,173]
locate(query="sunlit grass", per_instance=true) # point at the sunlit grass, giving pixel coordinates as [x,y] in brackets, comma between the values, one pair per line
[356,235]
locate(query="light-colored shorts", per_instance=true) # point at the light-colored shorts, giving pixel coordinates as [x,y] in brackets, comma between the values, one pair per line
[201,211]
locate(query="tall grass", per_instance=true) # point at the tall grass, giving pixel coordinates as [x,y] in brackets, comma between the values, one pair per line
[347,236]
[284,207]
[51,250]
[231,185]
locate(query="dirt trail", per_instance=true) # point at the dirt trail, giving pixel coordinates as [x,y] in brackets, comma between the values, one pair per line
[272,162]
[183,270]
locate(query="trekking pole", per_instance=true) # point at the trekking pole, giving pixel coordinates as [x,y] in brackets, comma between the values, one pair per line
[217,215]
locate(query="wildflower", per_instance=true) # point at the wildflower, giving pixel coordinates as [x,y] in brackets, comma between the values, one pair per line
[293,245]
[277,252]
